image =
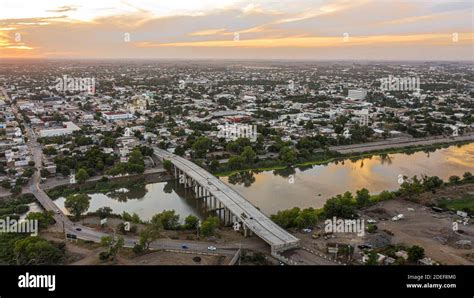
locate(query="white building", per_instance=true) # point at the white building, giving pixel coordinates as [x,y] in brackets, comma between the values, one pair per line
[364,117]
[68,128]
[357,94]
[112,116]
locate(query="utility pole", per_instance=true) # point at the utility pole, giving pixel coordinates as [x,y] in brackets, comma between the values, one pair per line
[198,227]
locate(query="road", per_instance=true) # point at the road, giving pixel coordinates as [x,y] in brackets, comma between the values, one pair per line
[399,143]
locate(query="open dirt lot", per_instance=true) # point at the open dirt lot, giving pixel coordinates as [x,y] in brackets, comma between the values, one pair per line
[171,258]
[431,230]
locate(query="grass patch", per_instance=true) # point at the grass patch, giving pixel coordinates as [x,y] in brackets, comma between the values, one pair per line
[465,204]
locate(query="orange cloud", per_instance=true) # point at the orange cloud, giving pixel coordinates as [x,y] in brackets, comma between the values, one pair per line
[316,42]
[210,32]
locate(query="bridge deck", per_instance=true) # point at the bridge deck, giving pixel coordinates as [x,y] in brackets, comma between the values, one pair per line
[256,221]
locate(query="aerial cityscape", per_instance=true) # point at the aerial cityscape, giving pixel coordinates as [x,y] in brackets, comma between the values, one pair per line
[236,133]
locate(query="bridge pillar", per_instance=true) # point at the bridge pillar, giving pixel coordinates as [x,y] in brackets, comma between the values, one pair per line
[229,215]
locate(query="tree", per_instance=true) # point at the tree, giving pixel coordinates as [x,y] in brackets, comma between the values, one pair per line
[149,234]
[386,195]
[82,175]
[468,177]
[113,244]
[168,165]
[16,190]
[411,187]
[138,249]
[168,219]
[104,212]
[209,226]
[454,179]
[136,157]
[235,162]
[248,155]
[415,253]
[340,206]
[372,260]
[179,150]
[287,155]
[362,197]
[201,146]
[191,222]
[214,165]
[136,218]
[44,218]
[286,218]
[77,204]
[431,183]
[6,184]
[307,218]
[38,251]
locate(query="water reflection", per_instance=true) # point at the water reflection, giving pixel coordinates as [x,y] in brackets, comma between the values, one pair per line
[125,194]
[312,186]
[246,178]
[147,200]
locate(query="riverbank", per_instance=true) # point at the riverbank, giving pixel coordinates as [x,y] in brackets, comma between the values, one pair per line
[352,156]
[100,186]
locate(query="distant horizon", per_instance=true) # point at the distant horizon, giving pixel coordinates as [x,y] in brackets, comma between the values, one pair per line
[233,59]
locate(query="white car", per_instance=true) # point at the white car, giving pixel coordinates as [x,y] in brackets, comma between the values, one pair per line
[212,248]
[397,217]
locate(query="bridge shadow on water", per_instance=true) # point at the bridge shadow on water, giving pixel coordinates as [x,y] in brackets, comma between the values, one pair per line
[189,198]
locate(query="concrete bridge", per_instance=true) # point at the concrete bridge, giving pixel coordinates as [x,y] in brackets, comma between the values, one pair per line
[230,206]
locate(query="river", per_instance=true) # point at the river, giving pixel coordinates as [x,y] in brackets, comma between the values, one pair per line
[301,187]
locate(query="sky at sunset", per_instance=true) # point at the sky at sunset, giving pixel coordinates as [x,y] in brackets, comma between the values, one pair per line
[238,29]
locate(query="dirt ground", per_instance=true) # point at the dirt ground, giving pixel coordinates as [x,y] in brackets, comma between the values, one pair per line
[171,258]
[431,230]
